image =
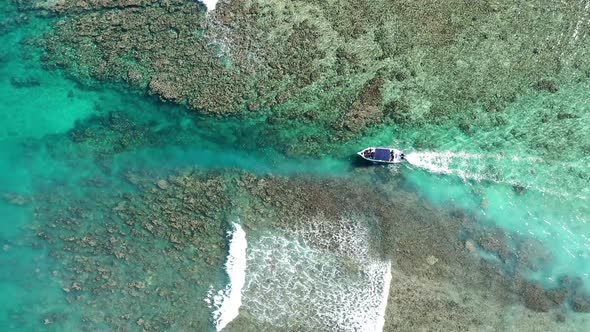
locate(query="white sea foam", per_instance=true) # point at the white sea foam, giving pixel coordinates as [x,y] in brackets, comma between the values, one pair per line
[384,298]
[227,302]
[318,278]
[455,163]
[501,169]
[476,166]
[583,20]
[210,4]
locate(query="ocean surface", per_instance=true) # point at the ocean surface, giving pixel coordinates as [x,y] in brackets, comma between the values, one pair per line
[526,177]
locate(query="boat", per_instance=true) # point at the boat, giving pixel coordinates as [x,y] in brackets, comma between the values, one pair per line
[382,155]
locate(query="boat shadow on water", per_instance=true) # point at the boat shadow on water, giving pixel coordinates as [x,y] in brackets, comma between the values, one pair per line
[357,162]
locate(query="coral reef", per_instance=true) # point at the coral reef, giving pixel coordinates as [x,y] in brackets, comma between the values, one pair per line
[305,61]
[158,247]
[158,48]
[74,6]
[170,233]
[295,76]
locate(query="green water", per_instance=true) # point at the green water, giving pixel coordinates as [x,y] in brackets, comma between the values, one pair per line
[56,135]
[526,170]
[529,175]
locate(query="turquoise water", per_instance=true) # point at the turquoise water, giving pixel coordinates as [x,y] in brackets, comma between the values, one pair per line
[57,136]
[537,188]
[527,172]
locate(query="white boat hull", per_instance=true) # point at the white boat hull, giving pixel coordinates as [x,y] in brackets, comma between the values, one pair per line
[382,155]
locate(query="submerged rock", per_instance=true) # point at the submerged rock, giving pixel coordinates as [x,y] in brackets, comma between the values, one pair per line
[471,247]
[17,199]
[163,184]
[431,260]
[581,303]
[535,298]
[571,282]
[24,82]
[547,85]
[519,189]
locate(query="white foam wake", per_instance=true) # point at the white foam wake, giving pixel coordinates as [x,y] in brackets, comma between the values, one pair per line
[227,302]
[474,166]
[531,173]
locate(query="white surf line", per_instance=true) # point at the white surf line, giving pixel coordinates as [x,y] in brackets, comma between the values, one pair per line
[210,4]
[320,275]
[228,302]
[384,298]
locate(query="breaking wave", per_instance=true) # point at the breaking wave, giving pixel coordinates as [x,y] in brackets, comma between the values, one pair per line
[210,4]
[318,278]
[227,302]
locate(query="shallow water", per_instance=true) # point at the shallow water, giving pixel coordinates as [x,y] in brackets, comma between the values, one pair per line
[59,140]
[314,289]
[541,193]
[115,132]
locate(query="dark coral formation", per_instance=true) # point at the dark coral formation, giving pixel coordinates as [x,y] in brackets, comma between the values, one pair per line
[365,110]
[160,49]
[341,65]
[160,244]
[157,247]
[306,60]
[75,6]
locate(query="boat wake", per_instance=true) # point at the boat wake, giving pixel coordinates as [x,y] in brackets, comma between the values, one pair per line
[530,173]
[468,166]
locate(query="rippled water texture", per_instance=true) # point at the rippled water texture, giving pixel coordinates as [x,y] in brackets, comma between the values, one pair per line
[541,194]
[118,211]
